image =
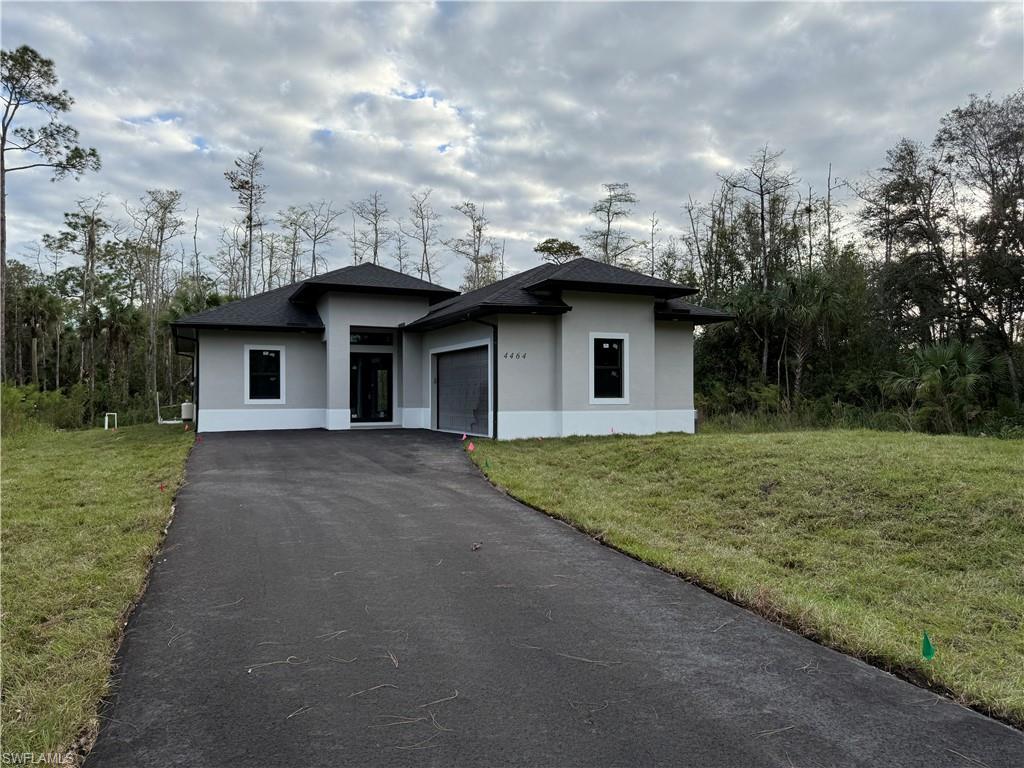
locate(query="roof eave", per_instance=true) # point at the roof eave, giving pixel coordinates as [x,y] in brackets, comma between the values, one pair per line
[429,324]
[697,318]
[207,326]
[661,292]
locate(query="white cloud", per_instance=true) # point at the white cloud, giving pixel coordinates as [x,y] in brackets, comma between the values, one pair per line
[526,108]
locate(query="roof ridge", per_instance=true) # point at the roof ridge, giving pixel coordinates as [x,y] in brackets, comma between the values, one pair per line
[369,268]
[497,288]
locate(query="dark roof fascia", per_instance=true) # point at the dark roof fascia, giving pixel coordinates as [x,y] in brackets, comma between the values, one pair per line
[244,327]
[658,291]
[697,318]
[429,323]
[310,291]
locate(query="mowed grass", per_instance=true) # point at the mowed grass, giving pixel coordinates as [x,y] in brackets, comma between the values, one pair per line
[82,515]
[859,539]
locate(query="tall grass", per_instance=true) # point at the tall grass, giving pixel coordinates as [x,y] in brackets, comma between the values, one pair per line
[24,407]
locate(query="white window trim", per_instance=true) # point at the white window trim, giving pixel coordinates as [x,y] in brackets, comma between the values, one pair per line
[624,338]
[245,378]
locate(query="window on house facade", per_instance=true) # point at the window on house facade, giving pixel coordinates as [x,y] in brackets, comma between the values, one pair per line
[608,356]
[266,374]
[372,338]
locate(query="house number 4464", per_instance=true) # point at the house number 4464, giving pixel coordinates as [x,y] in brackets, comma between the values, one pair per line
[515,355]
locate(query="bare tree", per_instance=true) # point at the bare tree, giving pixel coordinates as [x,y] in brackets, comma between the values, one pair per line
[82,237]
[197,269]
[653,241]
[155,223]
[291,220]
[245,182]
[371,239]
[607,240]
[400,252]
[479,250]
[229,259]
[423,229]
[274,260]
[764,178]
[318,225]
[354,244]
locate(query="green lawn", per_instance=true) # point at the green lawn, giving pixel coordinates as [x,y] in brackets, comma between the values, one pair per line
[82,515]
[860,539]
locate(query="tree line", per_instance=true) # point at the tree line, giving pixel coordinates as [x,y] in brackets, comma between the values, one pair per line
[895,300]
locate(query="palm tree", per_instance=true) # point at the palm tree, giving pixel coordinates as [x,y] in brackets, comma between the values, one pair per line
[812,303]
[42,310]
[942,379]
[122,322]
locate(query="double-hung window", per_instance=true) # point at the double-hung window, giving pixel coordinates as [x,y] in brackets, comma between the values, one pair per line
[609,368]
[264,374]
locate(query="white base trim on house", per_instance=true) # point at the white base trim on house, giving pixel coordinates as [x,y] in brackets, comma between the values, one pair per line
[337,418]
[675,421]
[514,425]
[416,418]
[248,419]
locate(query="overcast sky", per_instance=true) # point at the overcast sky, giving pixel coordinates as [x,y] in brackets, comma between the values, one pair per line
[526,108]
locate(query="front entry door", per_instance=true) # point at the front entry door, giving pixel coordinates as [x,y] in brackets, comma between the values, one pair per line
[371,387]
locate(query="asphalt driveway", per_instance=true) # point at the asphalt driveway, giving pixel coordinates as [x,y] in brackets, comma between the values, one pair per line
[366,598]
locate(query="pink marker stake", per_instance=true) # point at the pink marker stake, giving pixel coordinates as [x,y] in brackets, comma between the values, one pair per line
[471,447]
[463,437]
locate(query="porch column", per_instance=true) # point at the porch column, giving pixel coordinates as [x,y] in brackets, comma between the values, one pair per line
[337,335]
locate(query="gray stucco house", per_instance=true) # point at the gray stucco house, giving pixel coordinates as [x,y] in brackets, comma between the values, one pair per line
[571,349]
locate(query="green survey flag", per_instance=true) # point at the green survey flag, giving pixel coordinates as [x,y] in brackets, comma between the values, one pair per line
[927,649]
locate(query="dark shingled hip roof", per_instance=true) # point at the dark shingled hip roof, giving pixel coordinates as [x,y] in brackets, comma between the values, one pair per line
[268,311]
[535,291]
[292,307]
[588,275]
[369,278]
[505,296]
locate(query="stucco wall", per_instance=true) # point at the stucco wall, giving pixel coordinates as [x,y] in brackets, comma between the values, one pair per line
[607,313]
[544,391]
[222,384]
[340,312]
[222,368]
[673,366]
[553,395]
[529,375]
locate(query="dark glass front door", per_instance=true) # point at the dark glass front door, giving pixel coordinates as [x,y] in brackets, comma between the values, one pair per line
[371,386]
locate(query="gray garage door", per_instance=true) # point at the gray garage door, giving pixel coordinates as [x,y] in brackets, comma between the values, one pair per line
[462,396]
